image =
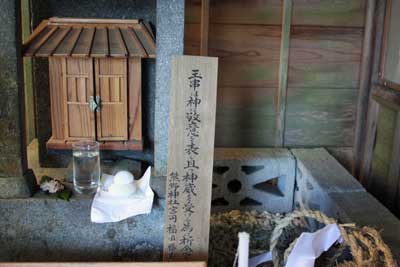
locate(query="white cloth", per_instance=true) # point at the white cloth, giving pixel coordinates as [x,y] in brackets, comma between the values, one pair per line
[108,208]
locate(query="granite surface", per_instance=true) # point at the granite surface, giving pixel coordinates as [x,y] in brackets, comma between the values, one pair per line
[170,30]
[10,101]
[12,148]
[43,228]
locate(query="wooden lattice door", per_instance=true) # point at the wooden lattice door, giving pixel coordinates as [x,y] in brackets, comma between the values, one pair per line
[111,91]
[78,91]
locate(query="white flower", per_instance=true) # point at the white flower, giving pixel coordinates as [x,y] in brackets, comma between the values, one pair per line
[52,186]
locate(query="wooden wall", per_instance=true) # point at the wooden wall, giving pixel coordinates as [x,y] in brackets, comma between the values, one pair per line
[323,70]
[381,174]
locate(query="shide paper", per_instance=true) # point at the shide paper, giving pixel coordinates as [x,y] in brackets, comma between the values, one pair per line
[308,247]
[108,208]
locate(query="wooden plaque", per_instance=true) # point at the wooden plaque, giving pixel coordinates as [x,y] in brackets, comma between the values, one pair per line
[190,157]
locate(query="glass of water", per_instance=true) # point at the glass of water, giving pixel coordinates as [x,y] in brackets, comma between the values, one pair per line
[86,166]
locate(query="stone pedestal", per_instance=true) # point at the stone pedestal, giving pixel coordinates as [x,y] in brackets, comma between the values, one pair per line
[170,26]
[13,170]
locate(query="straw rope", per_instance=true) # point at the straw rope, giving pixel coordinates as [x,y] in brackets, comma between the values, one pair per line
[361,247]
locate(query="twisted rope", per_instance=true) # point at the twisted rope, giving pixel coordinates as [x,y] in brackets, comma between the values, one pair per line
[365,245]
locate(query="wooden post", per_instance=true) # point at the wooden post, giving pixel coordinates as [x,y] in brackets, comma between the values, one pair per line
[365,84]
[283,73]
[373,112]
[394,170]
[204,27]
[190,157]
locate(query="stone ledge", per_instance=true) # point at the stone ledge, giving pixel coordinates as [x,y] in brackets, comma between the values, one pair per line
[43,228]
[17,187]
[364,210]
[323,184]
[330,176]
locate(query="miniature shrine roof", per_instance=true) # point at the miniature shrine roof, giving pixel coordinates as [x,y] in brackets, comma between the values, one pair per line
[77,37]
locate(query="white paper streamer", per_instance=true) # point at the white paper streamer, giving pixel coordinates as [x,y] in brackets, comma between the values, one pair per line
[108,208]
[308,247]
[265,257]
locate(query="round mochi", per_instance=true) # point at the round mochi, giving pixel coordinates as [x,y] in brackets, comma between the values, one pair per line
[122,190]
[123,177]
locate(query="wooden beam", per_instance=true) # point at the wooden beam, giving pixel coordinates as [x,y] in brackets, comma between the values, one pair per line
[283,73]
[387,96]
[63,21]
[39,40]
[373,112]
[38,30]
[204,27]
[393,188]
[365,84]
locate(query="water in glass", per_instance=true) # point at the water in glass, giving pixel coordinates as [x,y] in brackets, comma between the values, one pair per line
[86,167]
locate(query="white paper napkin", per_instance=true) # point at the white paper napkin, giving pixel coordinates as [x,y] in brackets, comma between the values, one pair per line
[108,208]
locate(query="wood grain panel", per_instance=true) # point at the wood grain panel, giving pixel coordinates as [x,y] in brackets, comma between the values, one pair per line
[68,44]
[248,54]
[146,40]
[325,57]
[236,11]
[245,117]
[56,97]
[317,13]
[380,181]
[71,89]
[320,117]
[39,40]
[283,73]
[105,88]
[100,43]
[84,43]
[329,12]
[393,199]
[78,85]
[80,121]
[115,89]
[244,127]
[117,46]
[112,118]
[135,98]
[192,39]
[372,118]
[81,89]
[133,45]
[51,44]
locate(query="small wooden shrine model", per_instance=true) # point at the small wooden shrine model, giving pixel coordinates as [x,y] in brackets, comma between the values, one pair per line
[95,79]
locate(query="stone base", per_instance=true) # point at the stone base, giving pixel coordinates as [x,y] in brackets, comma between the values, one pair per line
[18,187]
[44,228]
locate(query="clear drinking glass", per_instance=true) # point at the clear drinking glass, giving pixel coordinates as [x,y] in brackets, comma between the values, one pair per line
[86,166]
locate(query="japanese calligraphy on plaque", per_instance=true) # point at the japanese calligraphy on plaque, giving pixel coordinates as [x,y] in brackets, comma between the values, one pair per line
[190,157]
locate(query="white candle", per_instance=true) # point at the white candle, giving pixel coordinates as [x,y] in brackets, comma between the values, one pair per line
[243,249]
